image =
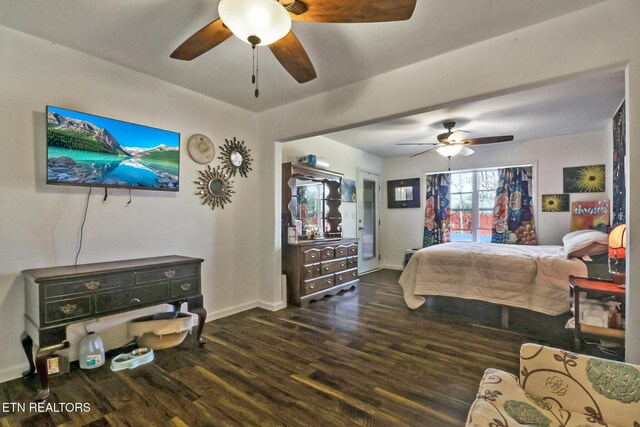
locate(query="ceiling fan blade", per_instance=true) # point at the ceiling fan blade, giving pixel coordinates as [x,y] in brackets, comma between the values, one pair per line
[353,11]
[488,140]
[290,53]
[417,143]
[422,152]
[205,39]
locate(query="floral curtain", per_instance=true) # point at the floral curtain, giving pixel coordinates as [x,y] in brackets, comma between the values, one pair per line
[436,213]
[512,211]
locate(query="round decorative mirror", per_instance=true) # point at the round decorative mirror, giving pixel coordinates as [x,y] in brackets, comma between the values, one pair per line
[214,187]
[236,157]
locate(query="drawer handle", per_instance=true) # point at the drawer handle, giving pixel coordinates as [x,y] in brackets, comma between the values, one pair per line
[311,286]
[135,301]
[68,308]
[339,277]
[92,285]
[342,264]
[185,286]
[328,281]
[327,268]
[170,273]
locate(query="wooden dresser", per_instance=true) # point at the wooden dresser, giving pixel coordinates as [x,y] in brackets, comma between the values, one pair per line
[317,268]
[59,296]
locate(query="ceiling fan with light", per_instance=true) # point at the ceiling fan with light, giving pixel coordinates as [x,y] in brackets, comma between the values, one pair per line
[268,22]
[455,142]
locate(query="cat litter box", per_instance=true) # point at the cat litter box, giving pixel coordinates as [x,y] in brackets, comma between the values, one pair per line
[162,330]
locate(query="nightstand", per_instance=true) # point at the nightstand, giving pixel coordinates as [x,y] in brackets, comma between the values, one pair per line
[594,287]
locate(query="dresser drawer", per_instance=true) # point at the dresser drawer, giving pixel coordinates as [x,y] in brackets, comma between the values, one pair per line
[327,253]
[310,271]
[66,309]
[341,251]
[352,262]
[127,298]
[327,267]
[315,285]
[311,255]
[352,249]
[346,276]
[185,287]
[52,290]
[166,273]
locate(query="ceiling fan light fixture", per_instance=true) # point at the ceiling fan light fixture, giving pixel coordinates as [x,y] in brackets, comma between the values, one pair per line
[450,150]
[266,20]
[458,136]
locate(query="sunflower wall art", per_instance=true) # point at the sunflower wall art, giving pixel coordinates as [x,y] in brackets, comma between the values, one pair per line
[584,179]
[555,203]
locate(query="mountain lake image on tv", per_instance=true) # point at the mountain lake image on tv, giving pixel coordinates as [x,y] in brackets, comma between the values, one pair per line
[88,150]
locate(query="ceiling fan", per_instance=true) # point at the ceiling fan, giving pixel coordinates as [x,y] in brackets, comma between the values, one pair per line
[268,22]
[455,142]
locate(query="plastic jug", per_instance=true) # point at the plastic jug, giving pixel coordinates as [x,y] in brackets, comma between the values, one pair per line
[91,351]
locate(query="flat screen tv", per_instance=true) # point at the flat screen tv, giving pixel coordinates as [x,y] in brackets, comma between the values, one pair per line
[94,151]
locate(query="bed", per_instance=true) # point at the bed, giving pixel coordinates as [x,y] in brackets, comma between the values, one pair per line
[530,277]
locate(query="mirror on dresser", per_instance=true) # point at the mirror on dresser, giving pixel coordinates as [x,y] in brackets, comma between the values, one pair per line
[321,262]
[312,197]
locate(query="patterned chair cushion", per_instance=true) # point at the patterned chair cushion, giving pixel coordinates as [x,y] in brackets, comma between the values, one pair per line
[558,388]
[605,391]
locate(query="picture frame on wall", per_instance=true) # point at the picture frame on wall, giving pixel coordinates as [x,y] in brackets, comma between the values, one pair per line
[584,179]
[348,190]
[555,203]
[403,193]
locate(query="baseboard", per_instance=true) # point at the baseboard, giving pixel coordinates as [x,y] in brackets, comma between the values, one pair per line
[272,306]
[13,372]
[231,311]
[392,267]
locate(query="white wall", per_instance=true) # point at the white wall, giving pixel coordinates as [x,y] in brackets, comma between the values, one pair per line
[596,38]
[404,227]
[343,159]
[39,224]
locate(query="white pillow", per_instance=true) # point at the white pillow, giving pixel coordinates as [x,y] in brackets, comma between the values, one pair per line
[585,242]
[576,233]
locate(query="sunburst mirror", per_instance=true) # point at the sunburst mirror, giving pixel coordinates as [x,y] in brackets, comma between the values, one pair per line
[214,187]
[236,157]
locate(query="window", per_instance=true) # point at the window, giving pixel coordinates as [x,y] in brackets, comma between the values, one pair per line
[472,195]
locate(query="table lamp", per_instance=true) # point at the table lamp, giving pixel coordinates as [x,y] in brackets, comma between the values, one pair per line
[618,253]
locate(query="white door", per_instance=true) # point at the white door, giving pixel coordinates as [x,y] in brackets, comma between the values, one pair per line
[368,196]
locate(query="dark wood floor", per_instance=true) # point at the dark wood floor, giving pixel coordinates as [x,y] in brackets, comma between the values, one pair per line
[359,358]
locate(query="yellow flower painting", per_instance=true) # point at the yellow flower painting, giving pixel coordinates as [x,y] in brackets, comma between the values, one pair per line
[584,179]
[555,203]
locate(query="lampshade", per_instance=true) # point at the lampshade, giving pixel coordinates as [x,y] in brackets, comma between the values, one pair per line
[450,150]
[618,242]
[266,19]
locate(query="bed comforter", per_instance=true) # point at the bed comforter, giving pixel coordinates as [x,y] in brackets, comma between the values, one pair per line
[531,277]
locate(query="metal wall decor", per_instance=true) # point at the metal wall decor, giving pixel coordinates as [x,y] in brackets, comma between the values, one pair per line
[236,157]
[214,187]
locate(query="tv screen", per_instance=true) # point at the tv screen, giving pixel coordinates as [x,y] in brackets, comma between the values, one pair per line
[94,151]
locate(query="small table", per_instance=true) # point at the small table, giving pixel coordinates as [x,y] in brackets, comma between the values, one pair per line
[59,296]
[598,287]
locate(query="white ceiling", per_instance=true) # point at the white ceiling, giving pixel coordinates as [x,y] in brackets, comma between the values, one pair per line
[141,34]
[581,105]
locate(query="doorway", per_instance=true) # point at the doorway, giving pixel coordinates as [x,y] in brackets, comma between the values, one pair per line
[368,214]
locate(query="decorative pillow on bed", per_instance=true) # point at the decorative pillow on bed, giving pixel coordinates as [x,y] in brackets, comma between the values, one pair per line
[585,242]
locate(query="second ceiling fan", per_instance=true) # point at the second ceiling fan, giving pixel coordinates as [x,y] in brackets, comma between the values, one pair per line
[455,142]
[268,22]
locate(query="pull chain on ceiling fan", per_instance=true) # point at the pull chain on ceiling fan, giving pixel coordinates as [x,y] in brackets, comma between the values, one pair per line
[455,142]
[268,22]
